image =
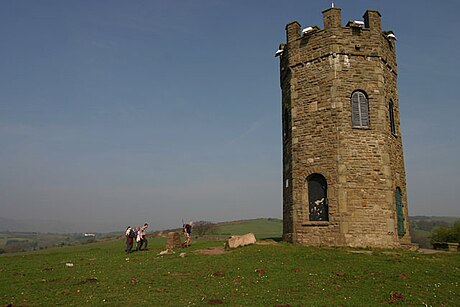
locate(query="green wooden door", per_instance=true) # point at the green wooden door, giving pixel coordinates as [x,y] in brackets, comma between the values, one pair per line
[400,213]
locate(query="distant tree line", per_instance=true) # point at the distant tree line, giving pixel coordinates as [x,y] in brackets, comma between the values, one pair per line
[429,225]
[23,242]
[426,230]
[446,234]
[14,246]
[202,228]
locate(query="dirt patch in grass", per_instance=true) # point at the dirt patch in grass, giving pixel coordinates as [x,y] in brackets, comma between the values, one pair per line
[366,252]
[396,297]
[218,274]
[217,250]
[215,302]
[431,251]
[88,280]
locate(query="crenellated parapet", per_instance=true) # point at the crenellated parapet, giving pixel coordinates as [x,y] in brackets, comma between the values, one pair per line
[361,38]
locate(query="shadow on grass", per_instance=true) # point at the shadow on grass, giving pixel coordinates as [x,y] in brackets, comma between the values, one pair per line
[276,239]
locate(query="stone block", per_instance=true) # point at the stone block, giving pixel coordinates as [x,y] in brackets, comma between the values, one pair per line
[173,240]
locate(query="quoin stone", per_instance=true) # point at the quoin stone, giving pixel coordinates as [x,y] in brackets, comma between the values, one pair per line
[344,181]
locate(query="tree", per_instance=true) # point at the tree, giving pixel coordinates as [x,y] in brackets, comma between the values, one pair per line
[446,234]
[202,228]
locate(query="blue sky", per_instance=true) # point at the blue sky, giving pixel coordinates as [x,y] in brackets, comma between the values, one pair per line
[120,112]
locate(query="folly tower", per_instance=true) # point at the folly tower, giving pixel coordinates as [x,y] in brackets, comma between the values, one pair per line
[344,181]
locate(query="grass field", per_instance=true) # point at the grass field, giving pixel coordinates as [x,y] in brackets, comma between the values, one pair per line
[262,228]
[256,275]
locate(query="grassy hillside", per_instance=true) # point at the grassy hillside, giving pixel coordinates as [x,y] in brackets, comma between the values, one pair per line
[257,275]
[262,228]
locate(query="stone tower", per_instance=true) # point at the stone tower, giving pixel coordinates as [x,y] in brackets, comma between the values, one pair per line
[344,181]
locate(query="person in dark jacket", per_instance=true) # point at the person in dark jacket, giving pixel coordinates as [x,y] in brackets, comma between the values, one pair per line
[129,234]
[188,233]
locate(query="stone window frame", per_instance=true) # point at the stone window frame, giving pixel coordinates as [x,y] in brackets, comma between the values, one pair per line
[306,202]
[357,114]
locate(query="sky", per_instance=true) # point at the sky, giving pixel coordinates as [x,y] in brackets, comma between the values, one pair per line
[116,113]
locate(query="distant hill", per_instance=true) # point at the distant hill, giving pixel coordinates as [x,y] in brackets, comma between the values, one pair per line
[450,220]
[36,225]
[10,224]
[58,226]
[262,227]
[421,227]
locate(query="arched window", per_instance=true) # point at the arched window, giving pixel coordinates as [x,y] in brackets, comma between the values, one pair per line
[359,109]
[400,213]
[317,198]
[392,117]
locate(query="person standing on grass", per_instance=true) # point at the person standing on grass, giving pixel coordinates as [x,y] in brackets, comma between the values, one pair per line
[188,233]
[138,238]
[129,234]
[144,241]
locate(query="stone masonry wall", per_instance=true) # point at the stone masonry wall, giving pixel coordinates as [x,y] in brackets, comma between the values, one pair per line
[363,166]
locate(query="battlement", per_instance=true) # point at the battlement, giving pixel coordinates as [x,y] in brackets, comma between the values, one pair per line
[332,19]
[361,38]
[373,20]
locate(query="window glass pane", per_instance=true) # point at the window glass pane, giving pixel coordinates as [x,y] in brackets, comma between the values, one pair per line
[392,117]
